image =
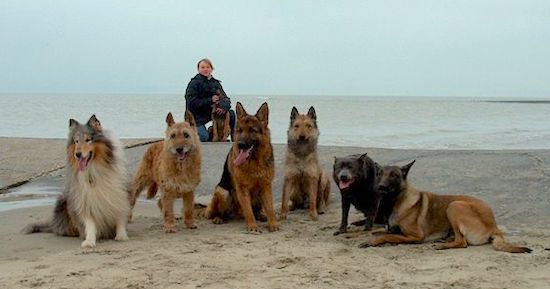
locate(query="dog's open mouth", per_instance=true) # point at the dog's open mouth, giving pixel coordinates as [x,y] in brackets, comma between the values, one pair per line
[83,162]
[244,155]
[181,156]
[181,153]
[345,184]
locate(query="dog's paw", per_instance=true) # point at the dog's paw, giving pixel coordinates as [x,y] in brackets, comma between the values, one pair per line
[253,229]
[87,244]
[122,237]
[367,228]
[169,229]
[217,220]
[365,245]
[340,231]
[314,216]
[282,216]
[273,227]
[358,223]
[440,246]
[192,225]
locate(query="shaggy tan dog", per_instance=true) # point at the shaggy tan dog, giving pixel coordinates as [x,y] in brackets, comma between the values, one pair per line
[305,184]
[173,166]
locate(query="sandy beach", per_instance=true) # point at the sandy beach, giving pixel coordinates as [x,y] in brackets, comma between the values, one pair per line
[304,254]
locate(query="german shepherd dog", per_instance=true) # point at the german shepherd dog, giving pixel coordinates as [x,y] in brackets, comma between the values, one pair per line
[95,201]
[305,184]
[424,216]
[357,178]
[245,186]
[173,166]
[220,123]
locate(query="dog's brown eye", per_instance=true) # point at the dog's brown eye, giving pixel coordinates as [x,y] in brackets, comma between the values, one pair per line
[76,141]
[88,140]
[296,126]
[309,126]
[185,135]
[173,135]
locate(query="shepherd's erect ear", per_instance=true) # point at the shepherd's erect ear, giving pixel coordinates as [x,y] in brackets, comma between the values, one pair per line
[170,119]
[189,118]
[240,110]
[311,113]
[94,123]
[405,169]
[293,114]
[73,122]
[263,114]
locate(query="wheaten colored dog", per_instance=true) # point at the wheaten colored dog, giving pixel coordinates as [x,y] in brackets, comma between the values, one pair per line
[424,216]
[305,183]
[173,166]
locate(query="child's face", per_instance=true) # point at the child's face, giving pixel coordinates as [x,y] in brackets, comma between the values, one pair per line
[205,69]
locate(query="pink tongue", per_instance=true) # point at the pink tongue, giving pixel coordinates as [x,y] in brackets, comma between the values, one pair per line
[182,157]
[344,185]
[82,164]
[242,157]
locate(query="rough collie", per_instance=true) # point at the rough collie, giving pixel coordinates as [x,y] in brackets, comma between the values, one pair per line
[95,203]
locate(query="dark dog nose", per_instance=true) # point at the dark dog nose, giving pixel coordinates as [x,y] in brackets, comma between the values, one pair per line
[382,187]
[179,150]
[78,154]
[302,138]
[242,145]
[344,178]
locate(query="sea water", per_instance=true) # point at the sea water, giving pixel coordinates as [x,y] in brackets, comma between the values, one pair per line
[366,121]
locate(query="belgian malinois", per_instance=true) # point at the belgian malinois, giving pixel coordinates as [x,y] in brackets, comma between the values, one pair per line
[423,216]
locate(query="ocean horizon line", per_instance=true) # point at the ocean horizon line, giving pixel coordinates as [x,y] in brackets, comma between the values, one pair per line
[476,97]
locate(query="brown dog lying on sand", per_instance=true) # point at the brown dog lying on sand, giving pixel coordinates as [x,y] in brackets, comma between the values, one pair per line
[424,216]
[174,166]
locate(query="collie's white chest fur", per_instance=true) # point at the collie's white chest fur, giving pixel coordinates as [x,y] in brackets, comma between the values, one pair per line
[99,194]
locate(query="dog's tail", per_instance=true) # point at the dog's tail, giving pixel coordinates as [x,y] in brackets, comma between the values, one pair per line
[61,224]
[43,227]
[501,245]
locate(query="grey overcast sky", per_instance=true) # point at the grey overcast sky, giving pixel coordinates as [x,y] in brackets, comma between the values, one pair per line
[429,47]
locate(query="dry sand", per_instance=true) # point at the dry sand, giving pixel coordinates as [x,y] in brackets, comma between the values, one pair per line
[304,254]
